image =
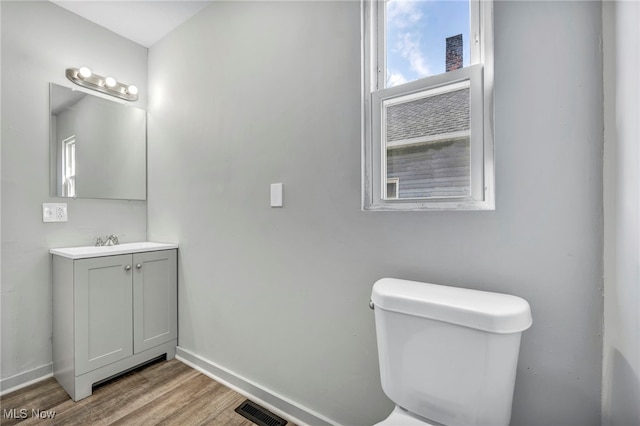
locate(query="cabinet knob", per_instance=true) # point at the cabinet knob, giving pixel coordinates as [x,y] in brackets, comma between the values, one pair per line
[139,266]
[127,268]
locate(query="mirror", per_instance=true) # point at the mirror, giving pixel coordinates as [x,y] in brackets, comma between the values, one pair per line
[97,147]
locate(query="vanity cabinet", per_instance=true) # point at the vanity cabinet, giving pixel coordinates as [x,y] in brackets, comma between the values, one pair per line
[110,314]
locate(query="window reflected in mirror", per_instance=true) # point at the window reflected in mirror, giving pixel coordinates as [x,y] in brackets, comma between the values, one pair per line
[98,146]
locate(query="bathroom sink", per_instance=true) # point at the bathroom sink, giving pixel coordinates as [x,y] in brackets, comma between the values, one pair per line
[125,248]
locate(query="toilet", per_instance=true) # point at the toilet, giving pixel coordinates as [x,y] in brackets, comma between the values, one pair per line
[448,355]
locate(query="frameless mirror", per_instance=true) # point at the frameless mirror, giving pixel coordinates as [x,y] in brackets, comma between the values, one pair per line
[97,147]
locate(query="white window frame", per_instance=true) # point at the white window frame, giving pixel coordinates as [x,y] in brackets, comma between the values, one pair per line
[396,184]
[480,75]
[69,166]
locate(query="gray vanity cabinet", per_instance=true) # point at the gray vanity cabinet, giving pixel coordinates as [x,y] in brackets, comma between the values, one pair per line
[155,291]
[103,307]
[111,313]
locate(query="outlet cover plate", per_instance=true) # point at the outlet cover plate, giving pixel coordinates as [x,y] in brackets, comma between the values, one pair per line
[54,212]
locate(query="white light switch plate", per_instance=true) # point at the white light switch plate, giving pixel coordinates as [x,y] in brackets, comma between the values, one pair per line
[54,212]
[276,195]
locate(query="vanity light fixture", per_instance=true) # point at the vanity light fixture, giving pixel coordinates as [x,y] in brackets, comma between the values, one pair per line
[109,85]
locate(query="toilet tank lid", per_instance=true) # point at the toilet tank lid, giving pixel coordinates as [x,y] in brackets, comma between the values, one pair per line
[482,310]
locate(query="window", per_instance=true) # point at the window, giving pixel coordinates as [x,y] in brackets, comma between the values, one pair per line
[69,167]
[393,183]
[428,99]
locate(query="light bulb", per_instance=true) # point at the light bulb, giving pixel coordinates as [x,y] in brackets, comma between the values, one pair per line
[110,81]
[84,72]
[133,90]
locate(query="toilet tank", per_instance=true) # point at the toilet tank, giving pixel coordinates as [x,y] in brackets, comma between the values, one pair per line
[449,354]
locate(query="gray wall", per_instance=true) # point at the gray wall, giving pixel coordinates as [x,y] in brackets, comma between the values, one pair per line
[621,364]
[39,41]
[247,94]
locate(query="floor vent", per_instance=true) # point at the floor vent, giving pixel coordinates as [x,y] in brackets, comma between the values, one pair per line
[259,415]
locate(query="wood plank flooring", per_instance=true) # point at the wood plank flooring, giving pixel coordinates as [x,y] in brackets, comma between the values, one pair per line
[163,393]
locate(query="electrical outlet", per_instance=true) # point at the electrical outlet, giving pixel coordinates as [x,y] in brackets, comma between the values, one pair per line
[61,212]
[54,212]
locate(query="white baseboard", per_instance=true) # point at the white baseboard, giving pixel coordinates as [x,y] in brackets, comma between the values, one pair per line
[25,379]
[278,404]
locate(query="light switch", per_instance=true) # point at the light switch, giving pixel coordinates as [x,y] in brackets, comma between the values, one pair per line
[49,212]
[276,195]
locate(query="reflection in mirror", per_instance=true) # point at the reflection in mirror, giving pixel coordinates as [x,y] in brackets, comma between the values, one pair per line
[98,147]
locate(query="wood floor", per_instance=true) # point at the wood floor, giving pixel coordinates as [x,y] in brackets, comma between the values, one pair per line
[163,393]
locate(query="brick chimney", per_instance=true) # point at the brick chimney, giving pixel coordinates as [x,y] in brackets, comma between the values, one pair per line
[454,52]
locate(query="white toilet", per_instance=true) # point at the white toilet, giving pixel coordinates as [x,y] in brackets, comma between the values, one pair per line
[447,355]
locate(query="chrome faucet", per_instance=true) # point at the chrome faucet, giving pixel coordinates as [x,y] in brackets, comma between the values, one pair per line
[111,240]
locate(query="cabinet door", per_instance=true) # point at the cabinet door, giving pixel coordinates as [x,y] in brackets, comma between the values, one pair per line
[155,294]
[103,306]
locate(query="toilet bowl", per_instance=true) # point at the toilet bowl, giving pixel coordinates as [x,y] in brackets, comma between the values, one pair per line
[447,355]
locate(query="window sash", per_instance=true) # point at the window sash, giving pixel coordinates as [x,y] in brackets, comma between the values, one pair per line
[472,74]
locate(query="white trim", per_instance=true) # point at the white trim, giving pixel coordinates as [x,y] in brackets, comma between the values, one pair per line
[439,89]
[269,399]
[394,181]
[475,33]
[27,378]
[380,65]
[486,58]
[368,32]
[428,139]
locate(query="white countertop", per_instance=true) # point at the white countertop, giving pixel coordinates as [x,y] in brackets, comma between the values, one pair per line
[125,248]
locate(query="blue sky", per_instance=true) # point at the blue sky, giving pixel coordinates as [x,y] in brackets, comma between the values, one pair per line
[416,33]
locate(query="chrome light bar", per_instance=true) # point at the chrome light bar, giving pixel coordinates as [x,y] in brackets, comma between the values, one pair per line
[84,77]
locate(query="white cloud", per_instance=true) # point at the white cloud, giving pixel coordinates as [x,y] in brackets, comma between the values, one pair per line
[408,46]
[407,17]
[403,13]
[395,78]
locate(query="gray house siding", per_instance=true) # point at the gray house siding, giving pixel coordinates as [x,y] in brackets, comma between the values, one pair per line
[436,170]
[433,168]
